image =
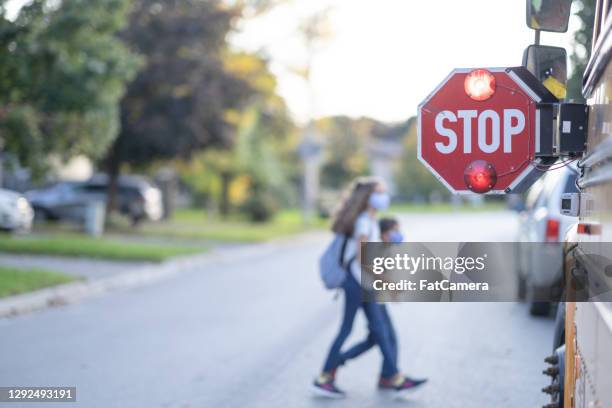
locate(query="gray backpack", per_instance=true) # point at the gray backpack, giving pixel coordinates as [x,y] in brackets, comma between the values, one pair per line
[332,268]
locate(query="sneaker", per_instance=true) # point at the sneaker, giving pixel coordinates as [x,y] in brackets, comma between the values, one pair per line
[408,385]
[385,384]
[327,389]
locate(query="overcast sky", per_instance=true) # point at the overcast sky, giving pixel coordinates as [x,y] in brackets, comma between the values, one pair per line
[387,55]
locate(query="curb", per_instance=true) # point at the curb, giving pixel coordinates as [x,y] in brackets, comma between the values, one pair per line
[140,276]
[77,291]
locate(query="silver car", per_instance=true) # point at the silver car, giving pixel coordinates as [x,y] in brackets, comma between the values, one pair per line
[136,198]
[539,266]
[16,214]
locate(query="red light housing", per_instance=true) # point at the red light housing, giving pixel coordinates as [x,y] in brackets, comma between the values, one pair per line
[479,84]
[480,176]
[589,229]
[552,230]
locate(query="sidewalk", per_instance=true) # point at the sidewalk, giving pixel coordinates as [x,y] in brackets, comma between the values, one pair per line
[84,268]
[105,276]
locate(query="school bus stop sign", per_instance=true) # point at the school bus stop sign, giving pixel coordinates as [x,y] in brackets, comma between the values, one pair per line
[479,130]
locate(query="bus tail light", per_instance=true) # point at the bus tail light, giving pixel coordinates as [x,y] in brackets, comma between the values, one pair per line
[552,230]
[589,228]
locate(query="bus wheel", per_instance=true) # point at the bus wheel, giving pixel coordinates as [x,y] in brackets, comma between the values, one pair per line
[536,307]
[539,308]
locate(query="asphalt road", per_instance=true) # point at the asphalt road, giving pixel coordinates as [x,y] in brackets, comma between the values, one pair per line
[253,332]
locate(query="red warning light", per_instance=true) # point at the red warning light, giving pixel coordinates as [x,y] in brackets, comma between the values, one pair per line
[480,176]
[479,84]
[552,230]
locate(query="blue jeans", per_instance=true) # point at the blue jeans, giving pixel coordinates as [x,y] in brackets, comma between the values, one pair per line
[378,324]
[387,370]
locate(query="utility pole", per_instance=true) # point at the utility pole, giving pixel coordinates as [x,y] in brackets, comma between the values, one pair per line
[1,161]
[315,30]
[309,151]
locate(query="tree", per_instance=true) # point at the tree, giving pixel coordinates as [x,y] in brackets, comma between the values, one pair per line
[62,73]
[581,48]
[257,169]
[414,181]
[182,100]
[345,140]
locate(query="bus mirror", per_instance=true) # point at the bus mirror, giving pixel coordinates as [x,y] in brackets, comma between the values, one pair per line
[548,15]
[549,65]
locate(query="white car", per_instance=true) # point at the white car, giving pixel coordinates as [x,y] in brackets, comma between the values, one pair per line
[539,266]
[16,214]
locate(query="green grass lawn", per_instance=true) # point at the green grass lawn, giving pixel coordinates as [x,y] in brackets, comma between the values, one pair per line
[445,208]
[15,281]
[188,224]
[84,246]
[194,224]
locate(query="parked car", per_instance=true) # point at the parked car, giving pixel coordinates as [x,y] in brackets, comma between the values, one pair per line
[539,267]
[136,198]
[16,214]
[64,200]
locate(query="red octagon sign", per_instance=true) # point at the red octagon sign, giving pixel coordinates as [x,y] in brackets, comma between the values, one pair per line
[479,130]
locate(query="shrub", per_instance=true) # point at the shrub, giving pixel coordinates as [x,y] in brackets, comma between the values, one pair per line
[260,207]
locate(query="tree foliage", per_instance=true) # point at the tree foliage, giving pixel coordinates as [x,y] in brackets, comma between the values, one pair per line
[259,167]
[199,101]
[581,47]
[414,181]
[180,101]
[255,173]
[62,73]
[346,141]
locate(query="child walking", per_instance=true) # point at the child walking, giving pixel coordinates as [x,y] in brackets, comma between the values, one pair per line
[390,233]
[356,218]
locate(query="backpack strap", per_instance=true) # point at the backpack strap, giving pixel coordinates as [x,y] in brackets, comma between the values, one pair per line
[346,265]
[342,250]
[350,261]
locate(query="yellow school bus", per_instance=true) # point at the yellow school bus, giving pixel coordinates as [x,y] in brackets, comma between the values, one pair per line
[588,324]
[584,376]
[581,364]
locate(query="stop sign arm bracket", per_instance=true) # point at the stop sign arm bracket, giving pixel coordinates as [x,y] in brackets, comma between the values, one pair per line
[545,123]
[561,129]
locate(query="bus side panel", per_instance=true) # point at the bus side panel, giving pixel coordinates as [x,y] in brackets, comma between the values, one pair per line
[570,353]
[604,354]
[593,335]
[586,326]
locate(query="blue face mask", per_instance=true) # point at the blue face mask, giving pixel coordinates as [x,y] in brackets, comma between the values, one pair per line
[395,237]
[379,201]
